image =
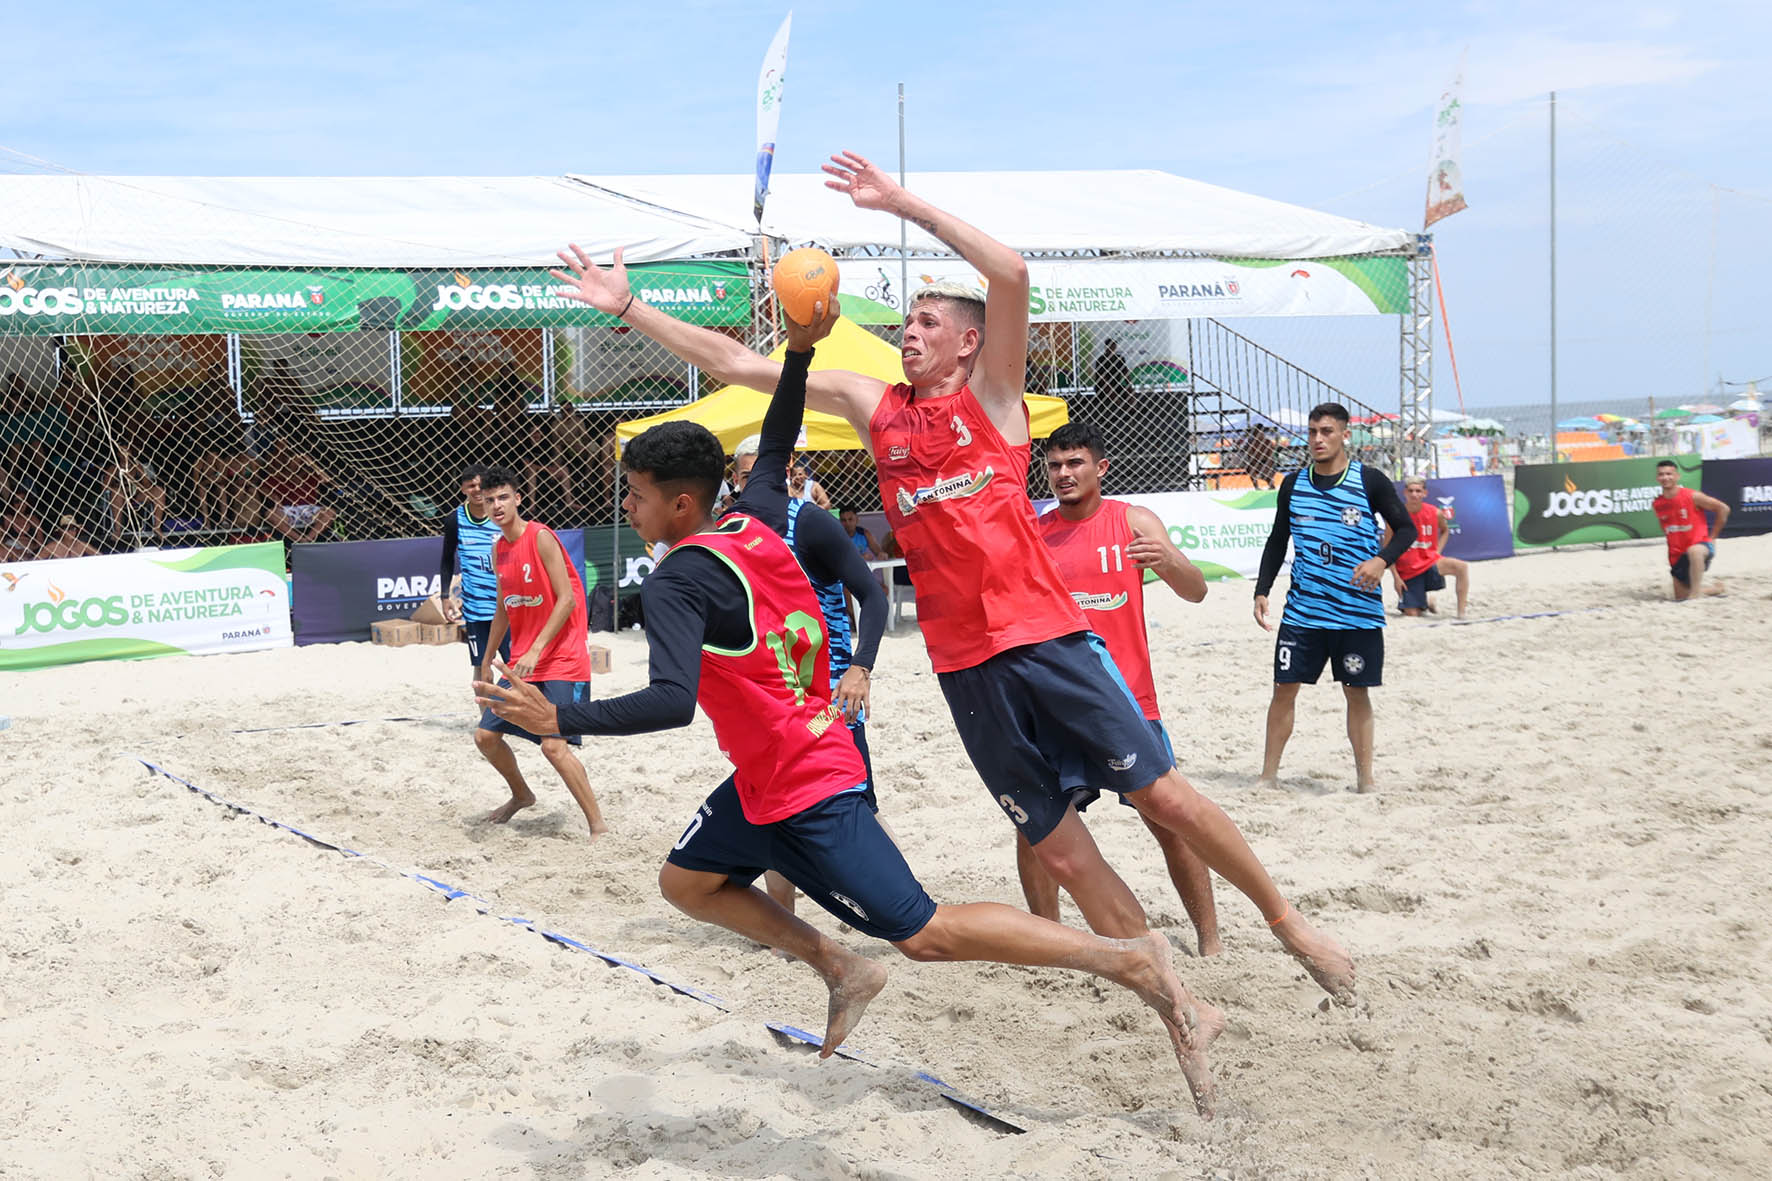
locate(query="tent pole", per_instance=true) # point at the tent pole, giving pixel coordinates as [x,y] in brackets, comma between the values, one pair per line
[1553,276]
[615,535]
[904,266]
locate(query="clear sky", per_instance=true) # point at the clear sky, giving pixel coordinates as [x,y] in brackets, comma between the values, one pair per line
[1664,121]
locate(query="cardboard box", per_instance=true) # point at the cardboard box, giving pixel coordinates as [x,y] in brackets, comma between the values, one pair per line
[430,611]
[599,660]
[438,633]
[394,633]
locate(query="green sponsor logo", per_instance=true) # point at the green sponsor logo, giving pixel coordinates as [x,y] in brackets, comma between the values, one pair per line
[73,614]
[1573,503]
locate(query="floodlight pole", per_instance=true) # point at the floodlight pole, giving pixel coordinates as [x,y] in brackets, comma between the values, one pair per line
[1553,276]
[904,266]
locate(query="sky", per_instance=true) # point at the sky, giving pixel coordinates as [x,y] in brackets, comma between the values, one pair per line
[1664,117]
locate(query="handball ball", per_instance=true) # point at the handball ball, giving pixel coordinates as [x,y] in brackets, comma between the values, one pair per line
[802,278]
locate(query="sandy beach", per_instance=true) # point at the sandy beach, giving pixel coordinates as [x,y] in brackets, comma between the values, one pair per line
[1557,903]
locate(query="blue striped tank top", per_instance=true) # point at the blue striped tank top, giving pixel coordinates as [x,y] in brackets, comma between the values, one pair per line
[479,582]
[831,599]
[1333,530]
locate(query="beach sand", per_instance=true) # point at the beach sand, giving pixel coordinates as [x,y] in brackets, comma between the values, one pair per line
[1557,902]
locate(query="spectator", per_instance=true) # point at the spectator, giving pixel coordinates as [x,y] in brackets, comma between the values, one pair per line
[132,487]
[858,536]
[543,456]
[21,535]
[221,473]
[1260,455]
[67,543]
[292,487]
[801,485]
[1113,390]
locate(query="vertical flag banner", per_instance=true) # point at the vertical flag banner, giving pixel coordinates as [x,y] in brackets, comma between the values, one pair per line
[1445,180]
[769,82]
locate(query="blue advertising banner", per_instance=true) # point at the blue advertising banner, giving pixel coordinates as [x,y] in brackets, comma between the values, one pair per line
[1481,525]
[1745,485]
[342,587]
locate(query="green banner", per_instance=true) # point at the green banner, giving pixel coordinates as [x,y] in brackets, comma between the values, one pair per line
[81,299]
[1577,503]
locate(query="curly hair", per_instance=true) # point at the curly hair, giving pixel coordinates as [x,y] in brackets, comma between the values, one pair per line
[683,454]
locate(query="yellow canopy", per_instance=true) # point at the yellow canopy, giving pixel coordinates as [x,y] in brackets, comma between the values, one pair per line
[736,412]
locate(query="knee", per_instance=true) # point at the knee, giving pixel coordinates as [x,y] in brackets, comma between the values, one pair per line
[556,750]
[676,886]
[926,946]
[488,740]
[1172,803]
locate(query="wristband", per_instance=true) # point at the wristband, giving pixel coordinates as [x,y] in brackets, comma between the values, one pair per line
[625,306]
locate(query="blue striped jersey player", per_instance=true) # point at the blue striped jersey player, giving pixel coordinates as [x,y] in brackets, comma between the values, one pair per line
[468,534]
[1331,514]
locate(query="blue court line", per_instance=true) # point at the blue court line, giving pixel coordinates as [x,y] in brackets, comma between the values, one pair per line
[483,906]
[347,722]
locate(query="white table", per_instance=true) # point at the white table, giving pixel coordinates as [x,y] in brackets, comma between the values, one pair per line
[884,567]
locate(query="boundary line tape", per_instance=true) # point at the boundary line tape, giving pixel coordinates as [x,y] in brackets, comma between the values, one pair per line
[451,893]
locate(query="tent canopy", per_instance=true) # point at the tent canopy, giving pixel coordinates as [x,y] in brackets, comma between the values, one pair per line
[429,222]
[736,412]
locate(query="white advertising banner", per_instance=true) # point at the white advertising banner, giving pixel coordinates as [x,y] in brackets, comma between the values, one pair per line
[1223,533]
[230,598]
[1445,172]
[1157,288]
[1730,439]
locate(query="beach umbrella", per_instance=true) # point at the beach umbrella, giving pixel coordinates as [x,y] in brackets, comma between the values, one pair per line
[1697,419]
[1627,424]
[1672,412]
[1702,408]
[1749,405]
[1479,426]
[1611,418]
[1580,424]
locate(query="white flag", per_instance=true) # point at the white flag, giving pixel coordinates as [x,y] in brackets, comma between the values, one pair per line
[769,82]
[1445,178]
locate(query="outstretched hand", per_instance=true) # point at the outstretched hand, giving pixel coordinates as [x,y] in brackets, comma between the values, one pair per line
[605,290]
[866,183]
[801,337]
[519,702]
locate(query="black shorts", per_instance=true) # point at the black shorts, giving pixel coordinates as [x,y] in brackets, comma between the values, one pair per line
[1033,717]
[1415,590]
[479,631]
[558,692]
[1682,569]
[1083,793]
[1355,655]
[859,732]
[835,852]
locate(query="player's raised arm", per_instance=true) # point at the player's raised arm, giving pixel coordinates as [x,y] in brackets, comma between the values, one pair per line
[851,396]
[1000,374]
[1151,549]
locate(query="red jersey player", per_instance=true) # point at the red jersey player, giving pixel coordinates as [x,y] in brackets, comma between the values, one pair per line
[1423,566]
[951,447]
[1690,548]
[1103,549]
[542,603]
[733,625]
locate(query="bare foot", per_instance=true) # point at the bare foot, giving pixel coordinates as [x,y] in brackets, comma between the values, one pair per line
[1191,1022]
[1267,783]
[510,808]
[1210,945]
[853,983]
[1326,960]
[1366,786]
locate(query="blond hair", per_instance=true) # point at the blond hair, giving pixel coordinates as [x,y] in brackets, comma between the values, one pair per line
[968,302]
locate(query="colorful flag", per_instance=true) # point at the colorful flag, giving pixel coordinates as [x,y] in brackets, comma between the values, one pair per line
[769,82]
[1445,179]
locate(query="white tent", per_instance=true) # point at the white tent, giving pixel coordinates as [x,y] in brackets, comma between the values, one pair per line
[364,221]
[1128,212]
[522,221]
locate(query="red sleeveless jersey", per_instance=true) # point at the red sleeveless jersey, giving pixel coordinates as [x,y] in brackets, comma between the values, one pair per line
[528,598]
[1091,557]
[771,702]
[955,493]
[1683,521]
[1426,549]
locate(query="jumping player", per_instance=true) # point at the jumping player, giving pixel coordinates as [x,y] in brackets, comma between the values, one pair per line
[469,534]
[1021,679]
[1334,608]
[733,624]
[541,603]
[1424,565]
[1690,548]
[1103,549]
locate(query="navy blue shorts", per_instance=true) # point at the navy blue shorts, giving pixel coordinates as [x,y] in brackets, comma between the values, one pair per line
[1682,569]
[1415,590]
[1355,655]
[835,852]
[859,732]
[1075,776]
[479,631]
[1033,717]
[558,692]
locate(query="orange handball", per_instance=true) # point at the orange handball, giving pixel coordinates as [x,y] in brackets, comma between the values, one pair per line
[802,278]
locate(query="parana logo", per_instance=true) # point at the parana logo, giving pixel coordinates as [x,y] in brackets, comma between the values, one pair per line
[1572,501]
[1756,495]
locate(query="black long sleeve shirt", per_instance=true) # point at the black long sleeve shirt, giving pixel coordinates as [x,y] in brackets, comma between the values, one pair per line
[1381,494]
[695,599]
